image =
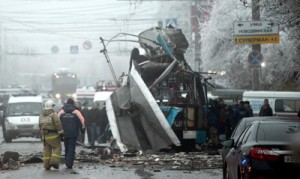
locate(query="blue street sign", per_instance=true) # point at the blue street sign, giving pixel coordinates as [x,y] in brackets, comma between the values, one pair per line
[255,58]
[74,49]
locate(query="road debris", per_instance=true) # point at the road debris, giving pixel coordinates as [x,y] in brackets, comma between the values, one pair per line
[157,161]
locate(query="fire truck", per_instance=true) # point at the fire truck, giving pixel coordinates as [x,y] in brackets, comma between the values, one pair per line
[64,85]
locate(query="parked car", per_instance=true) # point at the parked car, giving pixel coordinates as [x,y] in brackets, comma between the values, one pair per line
[240,127]
[263,151]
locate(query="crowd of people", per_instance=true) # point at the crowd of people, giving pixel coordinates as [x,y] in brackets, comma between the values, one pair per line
[223,118]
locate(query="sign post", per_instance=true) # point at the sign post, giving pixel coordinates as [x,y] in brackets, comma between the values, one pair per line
[255,32]
[255,58]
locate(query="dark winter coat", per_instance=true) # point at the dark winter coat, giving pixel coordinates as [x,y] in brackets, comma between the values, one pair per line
[70,121]
[266,111]
[95,117]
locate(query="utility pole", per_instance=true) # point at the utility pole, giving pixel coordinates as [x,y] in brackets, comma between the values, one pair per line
[197,36]
[257,47]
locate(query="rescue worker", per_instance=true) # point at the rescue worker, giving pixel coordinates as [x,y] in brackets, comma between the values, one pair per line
[52,134]
[72,121]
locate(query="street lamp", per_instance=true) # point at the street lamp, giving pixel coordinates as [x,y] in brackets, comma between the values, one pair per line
[262,65]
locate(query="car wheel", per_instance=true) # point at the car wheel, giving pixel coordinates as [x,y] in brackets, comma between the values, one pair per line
[8,139]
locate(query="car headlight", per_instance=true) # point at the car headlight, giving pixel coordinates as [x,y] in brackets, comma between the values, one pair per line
[11,126]
[36,126]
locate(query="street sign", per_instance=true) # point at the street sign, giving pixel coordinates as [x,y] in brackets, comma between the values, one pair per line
[87,45]
[261,39]
[255,28]
[74,49]
[255,58]
[54,49]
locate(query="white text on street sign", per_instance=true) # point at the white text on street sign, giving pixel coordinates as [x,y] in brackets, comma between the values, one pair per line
[261,39]
[255,28]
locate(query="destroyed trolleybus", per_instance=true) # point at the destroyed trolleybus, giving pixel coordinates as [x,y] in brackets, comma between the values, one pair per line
[164,100]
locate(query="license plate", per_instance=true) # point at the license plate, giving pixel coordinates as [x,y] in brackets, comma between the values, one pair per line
[292,159]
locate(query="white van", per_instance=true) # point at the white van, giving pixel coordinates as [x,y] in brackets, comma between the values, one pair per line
[22,117]
[101,97]
[85,95]
[283,103]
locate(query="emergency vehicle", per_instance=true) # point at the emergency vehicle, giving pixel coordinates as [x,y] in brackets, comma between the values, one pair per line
[22,117]
[85,95]
[283,103]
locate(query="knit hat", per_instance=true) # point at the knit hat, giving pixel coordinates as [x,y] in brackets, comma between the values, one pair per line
[70,101]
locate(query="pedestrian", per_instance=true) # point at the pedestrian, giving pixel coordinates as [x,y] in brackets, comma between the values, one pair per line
[248,108]
[93,124]
[72,121]
[240,113]
[80,138]
[85,113]
[52,133]
[222,119]
[213,121]
[265,109]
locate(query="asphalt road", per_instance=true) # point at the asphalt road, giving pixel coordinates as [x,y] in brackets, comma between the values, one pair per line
[85,170]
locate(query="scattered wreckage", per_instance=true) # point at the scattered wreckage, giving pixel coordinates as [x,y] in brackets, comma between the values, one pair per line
[157,161]
[162,101]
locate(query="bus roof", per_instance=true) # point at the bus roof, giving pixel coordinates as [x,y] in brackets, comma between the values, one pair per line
[267,94]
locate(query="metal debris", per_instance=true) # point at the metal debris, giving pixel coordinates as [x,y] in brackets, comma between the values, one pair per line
[158,161]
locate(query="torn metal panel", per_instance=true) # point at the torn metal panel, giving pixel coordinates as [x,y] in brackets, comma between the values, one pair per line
[136,120]
[162,133]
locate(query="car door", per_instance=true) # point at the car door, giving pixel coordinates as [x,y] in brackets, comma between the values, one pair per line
[235,154]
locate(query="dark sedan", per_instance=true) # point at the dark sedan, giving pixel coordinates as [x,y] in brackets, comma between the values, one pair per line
[243,123]
[263,151]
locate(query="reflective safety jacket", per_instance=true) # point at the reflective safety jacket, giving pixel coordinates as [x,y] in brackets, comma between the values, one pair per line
[50,125]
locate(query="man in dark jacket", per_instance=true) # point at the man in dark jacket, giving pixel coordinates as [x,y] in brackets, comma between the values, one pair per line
[265,109]
[72,121]
[93,122]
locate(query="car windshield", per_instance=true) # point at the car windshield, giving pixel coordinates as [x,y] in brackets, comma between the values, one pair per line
[282,131]
[88,101]
[21,109]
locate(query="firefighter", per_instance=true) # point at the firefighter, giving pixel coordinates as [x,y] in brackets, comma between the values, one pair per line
[52,135]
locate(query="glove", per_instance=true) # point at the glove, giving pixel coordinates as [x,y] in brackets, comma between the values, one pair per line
[62,137]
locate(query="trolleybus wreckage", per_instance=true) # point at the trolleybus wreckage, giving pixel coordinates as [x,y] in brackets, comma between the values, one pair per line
[162,102]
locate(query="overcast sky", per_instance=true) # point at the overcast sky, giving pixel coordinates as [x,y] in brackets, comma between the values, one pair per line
[39,25]
[50,22]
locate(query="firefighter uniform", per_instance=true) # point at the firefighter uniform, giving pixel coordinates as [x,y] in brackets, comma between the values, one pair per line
[51,131]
